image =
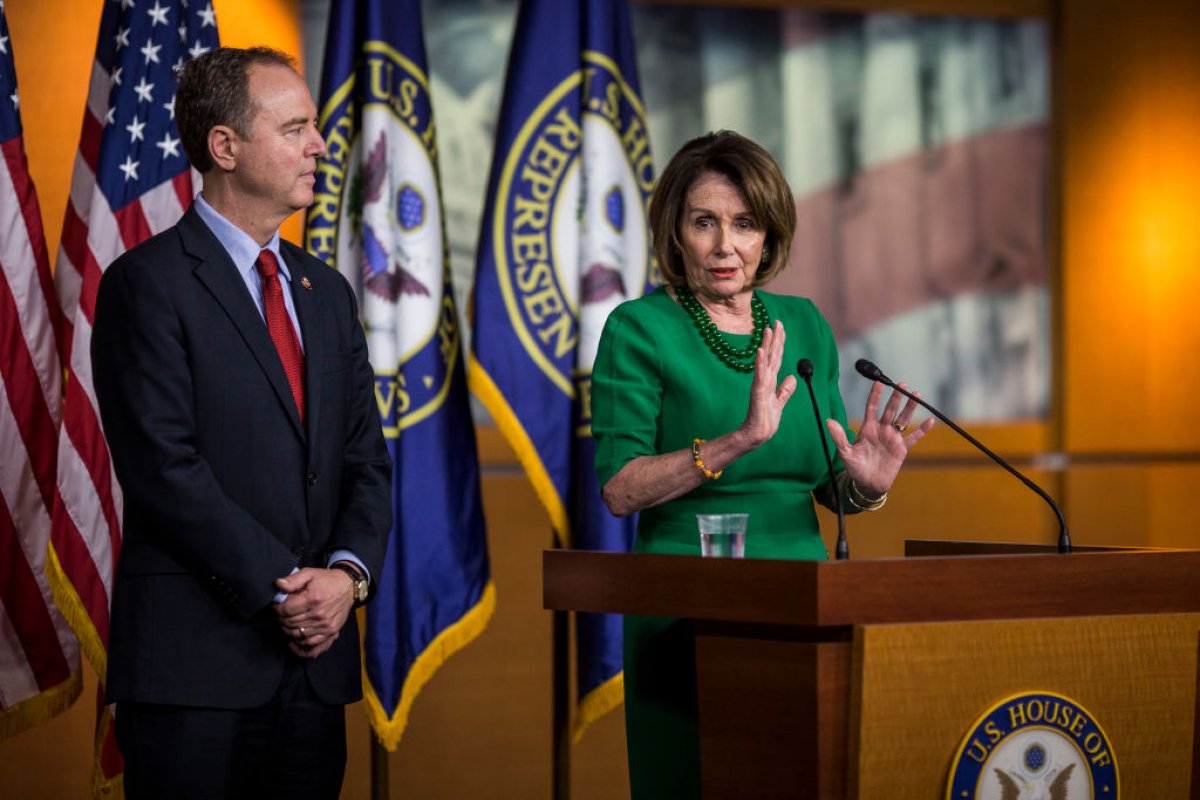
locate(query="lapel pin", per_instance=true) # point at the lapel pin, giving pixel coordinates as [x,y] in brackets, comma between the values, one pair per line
[306,283]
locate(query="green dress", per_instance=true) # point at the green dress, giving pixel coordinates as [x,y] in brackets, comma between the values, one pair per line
[656,386]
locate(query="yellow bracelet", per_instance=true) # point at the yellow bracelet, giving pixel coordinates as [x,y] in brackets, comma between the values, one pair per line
[708,473]
[860,501]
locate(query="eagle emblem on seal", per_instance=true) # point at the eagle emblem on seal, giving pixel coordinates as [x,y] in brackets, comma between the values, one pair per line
[1051,787]
[381,274]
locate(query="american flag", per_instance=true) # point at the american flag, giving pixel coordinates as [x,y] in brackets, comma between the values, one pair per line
[39,654]
[131,180]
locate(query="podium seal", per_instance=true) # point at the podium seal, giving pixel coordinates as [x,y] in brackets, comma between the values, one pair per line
[1034,745]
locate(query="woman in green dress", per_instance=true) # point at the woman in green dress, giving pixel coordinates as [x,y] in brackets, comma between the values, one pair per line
[689,416]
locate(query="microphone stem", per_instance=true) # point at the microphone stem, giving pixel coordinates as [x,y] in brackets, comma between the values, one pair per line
[842,549]
[1064,538]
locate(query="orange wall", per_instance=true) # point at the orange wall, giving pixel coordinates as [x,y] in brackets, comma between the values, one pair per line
[1131,212]
[1130,111]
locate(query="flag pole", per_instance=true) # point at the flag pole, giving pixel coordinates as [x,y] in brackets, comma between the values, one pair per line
[561,727]
[379,769]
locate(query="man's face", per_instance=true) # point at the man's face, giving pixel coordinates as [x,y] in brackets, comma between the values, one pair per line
[277,161]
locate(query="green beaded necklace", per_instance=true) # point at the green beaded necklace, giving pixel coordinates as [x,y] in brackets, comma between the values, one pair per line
[740,359]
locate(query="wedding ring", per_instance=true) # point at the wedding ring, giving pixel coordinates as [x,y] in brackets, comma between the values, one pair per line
[303,635]
[898,425]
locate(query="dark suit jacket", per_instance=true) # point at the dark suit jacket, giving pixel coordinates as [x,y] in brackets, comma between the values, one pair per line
[225,491]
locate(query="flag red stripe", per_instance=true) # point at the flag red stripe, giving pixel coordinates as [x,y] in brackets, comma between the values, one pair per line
[74,247]
[183,188]
[79,568]
[112,763]
[66,334]
[81,426]
[35,423]
[82,429]
[89,141]
[74,240]
[18,171]
[134,230]
[87,293]
[27,610]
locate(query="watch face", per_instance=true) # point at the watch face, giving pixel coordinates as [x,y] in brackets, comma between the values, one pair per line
[360,591]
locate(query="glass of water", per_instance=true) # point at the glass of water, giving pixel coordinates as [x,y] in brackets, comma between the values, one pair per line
[722,535]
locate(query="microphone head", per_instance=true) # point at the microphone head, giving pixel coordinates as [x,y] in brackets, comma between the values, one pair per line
[869,371]
[805,369]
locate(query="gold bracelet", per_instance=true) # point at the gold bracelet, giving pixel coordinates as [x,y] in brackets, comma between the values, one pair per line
[860,501]
[708,473]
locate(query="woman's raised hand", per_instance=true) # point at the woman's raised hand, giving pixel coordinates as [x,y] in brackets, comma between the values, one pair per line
[883,441]
[768,395]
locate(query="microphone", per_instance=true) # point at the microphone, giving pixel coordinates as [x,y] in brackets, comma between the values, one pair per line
[871,372]
[842,551]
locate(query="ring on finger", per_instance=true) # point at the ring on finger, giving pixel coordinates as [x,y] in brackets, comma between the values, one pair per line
[898,425]
[303,634]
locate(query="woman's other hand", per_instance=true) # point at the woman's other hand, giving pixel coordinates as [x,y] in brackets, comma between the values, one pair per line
[883,441]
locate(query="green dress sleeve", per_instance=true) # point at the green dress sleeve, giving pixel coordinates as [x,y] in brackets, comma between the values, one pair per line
[627,393]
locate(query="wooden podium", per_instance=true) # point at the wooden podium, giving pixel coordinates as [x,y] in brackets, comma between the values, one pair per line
[825,679]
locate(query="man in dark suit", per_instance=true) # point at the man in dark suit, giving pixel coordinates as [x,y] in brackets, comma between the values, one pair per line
[238,404]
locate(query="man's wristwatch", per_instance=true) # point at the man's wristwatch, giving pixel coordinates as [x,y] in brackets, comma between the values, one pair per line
[360,580]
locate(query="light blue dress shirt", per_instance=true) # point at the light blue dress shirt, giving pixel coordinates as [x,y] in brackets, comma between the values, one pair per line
[243,250]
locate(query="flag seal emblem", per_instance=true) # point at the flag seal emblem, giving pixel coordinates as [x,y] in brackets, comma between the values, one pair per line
[1035,744]
[377,218]
[569,232]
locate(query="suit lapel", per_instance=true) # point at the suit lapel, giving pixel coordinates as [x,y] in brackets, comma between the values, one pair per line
[215,269]
[307,311]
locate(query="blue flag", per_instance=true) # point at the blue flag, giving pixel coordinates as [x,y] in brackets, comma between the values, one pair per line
[378,218]
[564,241]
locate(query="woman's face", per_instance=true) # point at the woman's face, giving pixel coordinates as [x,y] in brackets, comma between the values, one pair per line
[722,241]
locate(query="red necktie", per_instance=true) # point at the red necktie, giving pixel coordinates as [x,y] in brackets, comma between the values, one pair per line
[279,324]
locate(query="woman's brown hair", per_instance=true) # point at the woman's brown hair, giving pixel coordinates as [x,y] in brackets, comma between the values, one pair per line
[752,170]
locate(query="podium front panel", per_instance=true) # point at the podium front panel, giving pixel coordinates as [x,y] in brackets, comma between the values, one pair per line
[917,690]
